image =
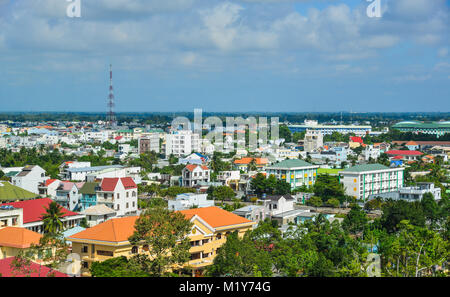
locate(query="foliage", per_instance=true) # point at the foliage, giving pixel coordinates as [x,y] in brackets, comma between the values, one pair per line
[165,233]
[52,219]
[116,267]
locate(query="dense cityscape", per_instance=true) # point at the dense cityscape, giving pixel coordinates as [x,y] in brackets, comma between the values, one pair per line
[322,199]
[224,147]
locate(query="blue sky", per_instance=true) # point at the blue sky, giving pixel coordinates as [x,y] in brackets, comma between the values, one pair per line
[241,55]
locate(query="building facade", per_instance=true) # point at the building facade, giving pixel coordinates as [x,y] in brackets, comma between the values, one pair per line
[361,181]
[295,172]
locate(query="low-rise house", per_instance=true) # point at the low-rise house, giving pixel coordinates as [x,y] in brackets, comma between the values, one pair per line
[11,193]
[10,216]
[406,155]
[194,158]
[193,174]
[30,178]
[119,194]
[280,208]
[98,214]
[255,213]
[244,163]
[189,200]
[211,225]
[33,210]
[88,194]
[13,240]
[230,179]
[80,174]
[49,187]
[68,195]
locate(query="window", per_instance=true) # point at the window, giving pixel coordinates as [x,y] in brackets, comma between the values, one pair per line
[118,195]
[128,194]
[127,205]
[85,264]
[134,250]
[105,253]
[219,236]
[85,249]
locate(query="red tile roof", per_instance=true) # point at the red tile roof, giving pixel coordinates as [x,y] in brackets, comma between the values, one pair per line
[404,153]
[34,209]
[109,184]
[49,181]
[258,161]
[191,167]
[7,271]
[356,139]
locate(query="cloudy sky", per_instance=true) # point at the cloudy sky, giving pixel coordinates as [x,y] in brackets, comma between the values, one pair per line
[240,55]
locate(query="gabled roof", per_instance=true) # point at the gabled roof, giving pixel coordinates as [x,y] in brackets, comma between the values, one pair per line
[192,167]
[34,209]
[278,197]
[18,237]
[109,184]
[356,139]
[50,181]
[7,271]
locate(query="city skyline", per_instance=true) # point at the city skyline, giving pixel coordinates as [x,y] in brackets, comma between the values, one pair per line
[225,56]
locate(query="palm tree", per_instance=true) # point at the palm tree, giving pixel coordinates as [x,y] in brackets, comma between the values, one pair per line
[52,219]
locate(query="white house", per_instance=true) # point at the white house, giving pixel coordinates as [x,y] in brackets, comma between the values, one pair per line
[189,200]
[182,143]
[193,174]
[68,195]
[98,214]
[119,194]
[30,178]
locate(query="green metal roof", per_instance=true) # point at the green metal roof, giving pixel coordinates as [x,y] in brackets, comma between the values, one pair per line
[12,173]
[88,188]
[291,163]
[365,167]
[423,125]
[11,193]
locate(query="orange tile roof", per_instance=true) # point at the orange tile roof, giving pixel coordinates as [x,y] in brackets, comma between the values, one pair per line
[215,216]
[258,161]
[191,167]
[18,237]
[113,230]
[120,229]
[411,143]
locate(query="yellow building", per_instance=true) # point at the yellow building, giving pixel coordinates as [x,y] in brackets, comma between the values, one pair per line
[211,225]
[15,239]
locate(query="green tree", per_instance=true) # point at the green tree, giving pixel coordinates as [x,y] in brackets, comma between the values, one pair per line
[116,267]
[240,258]
[356,220]
[52,219]
[165,233]
[223,193]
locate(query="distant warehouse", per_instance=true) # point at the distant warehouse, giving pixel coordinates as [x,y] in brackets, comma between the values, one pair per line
[435,128]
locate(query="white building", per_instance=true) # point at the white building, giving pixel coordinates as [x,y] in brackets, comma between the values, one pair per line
[371,152]
[149,144]
[313,140]
[189,200]
[193,174]
[329,129]
[119,194]
[361,181]
[68,195]
[182,143]
[30,178]
[412,194]
[80,174]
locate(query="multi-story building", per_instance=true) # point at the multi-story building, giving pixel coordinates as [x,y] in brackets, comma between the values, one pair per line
[371,152]
[149,144]
[211,225]
[182,143]
[80,174]
[88,195]
[295,172]
[14,240]
[30,178]
[230,178]
[313,140]
[193,174]
[119,194]
[10,216]
[329,129]
[361,181]
[68,195]
[244,164]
